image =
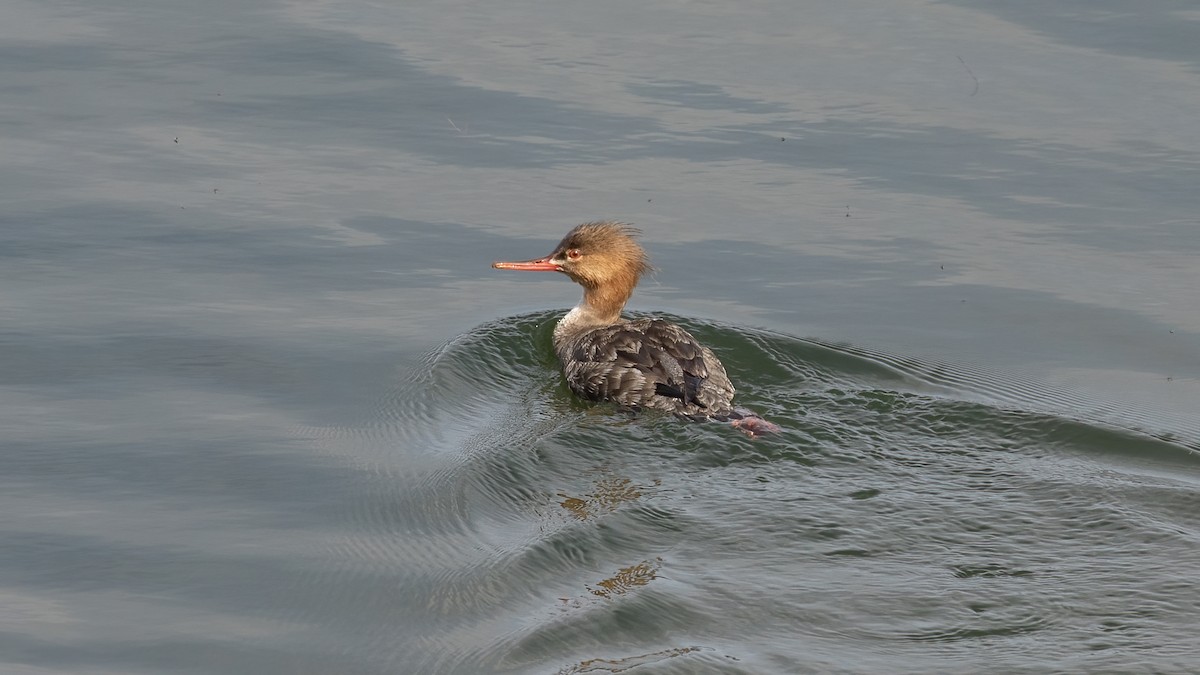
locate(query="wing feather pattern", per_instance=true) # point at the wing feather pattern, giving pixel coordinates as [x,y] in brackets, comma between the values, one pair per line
[647,363]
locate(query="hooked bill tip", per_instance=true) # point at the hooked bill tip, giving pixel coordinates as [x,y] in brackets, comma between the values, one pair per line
[542,265]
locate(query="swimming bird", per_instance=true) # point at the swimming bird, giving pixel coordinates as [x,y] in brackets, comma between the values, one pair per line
[635,363]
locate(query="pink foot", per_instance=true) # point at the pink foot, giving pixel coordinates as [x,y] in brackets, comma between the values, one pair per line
[755,426]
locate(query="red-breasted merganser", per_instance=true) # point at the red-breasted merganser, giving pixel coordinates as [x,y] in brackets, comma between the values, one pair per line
[639,363]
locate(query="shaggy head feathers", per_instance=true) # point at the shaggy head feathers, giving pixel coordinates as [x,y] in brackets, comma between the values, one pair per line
[602,253]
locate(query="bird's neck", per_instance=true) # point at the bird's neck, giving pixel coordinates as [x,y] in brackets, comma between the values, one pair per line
[604,303]
[601,306]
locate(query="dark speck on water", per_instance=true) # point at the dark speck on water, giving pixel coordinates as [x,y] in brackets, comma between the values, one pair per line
[305,428]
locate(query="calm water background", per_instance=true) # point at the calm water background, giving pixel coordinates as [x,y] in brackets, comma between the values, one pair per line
[266,409]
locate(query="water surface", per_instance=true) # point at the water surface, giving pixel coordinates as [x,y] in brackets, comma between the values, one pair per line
[266,408]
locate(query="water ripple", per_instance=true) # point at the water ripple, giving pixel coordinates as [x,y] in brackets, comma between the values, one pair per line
[904,506]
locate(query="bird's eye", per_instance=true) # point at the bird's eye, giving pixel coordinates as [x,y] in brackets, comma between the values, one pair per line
[573,254]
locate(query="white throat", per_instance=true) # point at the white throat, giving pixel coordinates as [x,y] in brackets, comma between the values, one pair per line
[578,320]
[572,322]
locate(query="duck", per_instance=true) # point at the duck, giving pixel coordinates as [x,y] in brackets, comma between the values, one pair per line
[640,363]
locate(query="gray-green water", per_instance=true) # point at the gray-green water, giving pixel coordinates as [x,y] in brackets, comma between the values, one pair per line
[266,409]
[895,522]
